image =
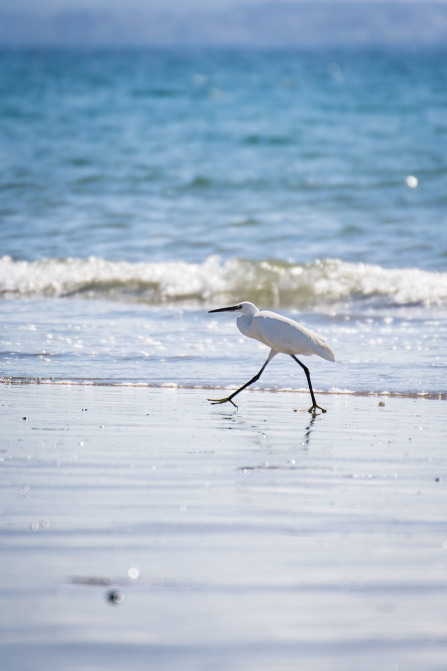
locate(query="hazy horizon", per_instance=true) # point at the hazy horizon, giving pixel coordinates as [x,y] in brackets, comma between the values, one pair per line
[260,23]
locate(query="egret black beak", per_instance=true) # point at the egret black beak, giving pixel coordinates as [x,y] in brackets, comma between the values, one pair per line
[230,309]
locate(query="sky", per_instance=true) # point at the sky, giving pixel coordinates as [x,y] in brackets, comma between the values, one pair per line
[177,6]
[222,22]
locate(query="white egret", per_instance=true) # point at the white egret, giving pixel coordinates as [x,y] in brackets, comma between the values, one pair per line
[283,336]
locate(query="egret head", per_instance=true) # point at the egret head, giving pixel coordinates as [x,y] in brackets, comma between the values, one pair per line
[244,308]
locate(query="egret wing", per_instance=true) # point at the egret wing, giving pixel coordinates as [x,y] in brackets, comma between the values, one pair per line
[288,336]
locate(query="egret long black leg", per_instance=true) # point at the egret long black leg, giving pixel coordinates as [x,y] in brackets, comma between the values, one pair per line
[306,370]
[247,384]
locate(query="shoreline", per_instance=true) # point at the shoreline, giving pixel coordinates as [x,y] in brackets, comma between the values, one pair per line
[18,381]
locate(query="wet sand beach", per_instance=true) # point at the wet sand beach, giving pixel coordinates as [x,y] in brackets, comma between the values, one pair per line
[144,528]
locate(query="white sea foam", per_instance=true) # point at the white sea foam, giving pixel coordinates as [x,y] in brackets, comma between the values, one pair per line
[266,282]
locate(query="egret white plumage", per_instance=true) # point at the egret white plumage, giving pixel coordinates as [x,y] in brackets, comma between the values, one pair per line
[283,336]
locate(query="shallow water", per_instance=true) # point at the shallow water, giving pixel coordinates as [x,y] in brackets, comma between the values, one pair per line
[98,342]
[256,539]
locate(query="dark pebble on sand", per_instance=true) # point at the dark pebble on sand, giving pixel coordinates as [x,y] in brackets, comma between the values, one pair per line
[115,597]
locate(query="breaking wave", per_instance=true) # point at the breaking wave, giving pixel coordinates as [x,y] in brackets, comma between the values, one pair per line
[269,283]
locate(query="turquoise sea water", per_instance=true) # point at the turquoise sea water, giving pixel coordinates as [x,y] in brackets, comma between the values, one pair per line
[140,188]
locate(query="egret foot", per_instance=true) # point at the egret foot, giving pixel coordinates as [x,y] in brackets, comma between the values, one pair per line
[314,407]
[214,401]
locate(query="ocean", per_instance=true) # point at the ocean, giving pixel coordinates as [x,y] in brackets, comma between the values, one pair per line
[141,188]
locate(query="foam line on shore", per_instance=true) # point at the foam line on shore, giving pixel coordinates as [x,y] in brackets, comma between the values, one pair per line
[441,396]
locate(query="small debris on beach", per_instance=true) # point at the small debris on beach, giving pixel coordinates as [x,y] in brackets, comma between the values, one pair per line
[115,597]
